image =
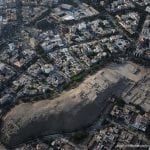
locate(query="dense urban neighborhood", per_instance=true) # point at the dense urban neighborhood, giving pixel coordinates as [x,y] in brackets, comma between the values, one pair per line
[74,74]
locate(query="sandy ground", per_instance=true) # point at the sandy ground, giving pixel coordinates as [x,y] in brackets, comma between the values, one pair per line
[73,110]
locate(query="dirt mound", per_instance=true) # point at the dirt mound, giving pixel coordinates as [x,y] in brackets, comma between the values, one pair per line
[72,111]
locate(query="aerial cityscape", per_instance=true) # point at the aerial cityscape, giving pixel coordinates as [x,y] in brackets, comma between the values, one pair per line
[74,74]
